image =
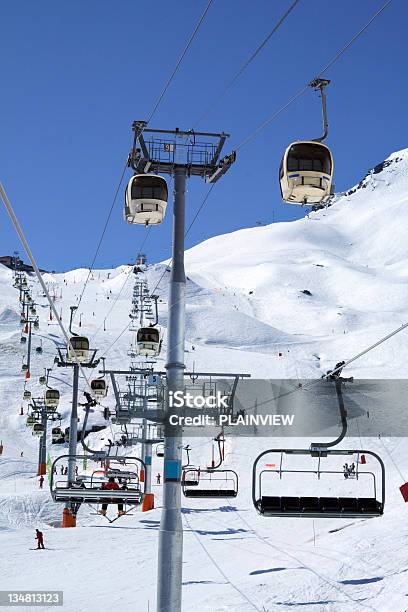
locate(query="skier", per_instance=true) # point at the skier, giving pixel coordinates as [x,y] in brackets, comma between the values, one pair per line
[62,470]
[111,485]
[158,478]
[346,470]
[66,471]
[76,470]
[352,469]
[40,539]
[41,481]
[21,454]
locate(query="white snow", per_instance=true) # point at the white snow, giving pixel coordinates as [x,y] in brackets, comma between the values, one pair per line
[246,312]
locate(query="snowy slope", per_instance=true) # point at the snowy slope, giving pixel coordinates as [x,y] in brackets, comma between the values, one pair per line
[246,311]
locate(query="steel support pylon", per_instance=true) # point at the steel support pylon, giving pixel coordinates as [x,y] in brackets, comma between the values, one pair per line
[169,580]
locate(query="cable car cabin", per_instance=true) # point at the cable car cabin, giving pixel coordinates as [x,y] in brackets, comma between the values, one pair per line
[306,173]
[38,430]
[160,450]
[300,492]
[57,436]
[99,387]
[209,483]
[31,421]
[148,341]
[27,395]
[146,199]
[80,344]
[51,398]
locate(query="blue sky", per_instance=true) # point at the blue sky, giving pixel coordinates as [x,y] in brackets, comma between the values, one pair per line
[76,74]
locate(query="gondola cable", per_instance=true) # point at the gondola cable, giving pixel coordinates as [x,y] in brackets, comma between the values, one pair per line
[331,62]
[246,63]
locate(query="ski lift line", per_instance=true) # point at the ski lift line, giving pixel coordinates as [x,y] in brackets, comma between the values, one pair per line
[178,63]
[221,571]
[30,255]
[330,63]
[101,238]
[246,63]
[393,462]
[310,385]
[123,286]
[167,265]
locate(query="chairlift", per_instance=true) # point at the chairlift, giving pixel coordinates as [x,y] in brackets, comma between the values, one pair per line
[51,398]
[80,347]
[99,387]
[148,341]
[92,490]
[209,483]
[160,450]
[146,199]
[38,430]
[341,506]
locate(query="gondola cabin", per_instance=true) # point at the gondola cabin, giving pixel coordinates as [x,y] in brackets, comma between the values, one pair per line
[57,436]
[306,173]
[23,339]
[51,398]
[146,199]
[38,430]
[42,380]
[27,395]
[31,421]
[80,346]
[99,387]
[148,341]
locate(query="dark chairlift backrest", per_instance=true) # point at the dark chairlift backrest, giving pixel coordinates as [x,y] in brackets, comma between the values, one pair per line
[209,483]
[317,507]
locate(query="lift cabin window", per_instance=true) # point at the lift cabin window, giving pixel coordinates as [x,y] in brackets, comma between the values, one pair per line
[156,190]
[309,158]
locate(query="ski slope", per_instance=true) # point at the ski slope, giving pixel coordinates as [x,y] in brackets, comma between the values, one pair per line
[246,312]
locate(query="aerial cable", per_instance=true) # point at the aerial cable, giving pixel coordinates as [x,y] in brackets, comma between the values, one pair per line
[30,255]
[167,266]
[247,63]
[173,74]
[128,275]
[101,238]
[333,60]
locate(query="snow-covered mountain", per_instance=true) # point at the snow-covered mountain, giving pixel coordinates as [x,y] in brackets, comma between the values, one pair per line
[287,300]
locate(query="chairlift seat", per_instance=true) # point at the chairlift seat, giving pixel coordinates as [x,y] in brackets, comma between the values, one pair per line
[99,496]
[315,507]
[208,493]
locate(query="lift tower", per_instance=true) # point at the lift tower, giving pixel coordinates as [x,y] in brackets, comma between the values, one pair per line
[181,154]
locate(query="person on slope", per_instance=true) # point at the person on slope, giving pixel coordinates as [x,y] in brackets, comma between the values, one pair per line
[158,478]
[41,481]
[40,539]
[111,485]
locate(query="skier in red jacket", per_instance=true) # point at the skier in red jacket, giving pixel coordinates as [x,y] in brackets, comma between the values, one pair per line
[111,485]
